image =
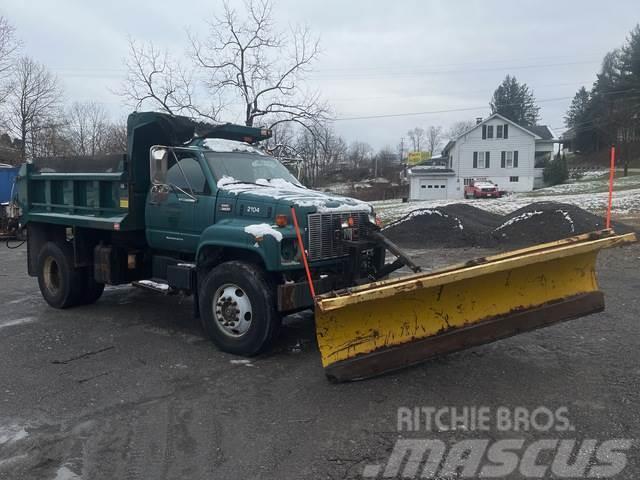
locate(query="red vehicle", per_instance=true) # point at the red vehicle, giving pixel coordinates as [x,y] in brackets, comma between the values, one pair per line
[481,189]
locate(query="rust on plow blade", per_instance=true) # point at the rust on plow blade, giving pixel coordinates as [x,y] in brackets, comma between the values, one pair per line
[383,326]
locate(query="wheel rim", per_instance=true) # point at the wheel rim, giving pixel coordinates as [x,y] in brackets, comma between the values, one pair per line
[232,310]
[51,274]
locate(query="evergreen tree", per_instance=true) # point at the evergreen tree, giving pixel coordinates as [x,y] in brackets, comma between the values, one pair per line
[515,101]
[579,109]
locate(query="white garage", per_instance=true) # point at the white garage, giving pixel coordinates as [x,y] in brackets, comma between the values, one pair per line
[430,183]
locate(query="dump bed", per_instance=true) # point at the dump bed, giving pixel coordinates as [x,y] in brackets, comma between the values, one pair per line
[90,192]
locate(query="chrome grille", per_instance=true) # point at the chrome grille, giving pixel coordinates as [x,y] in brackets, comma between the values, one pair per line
[325,233]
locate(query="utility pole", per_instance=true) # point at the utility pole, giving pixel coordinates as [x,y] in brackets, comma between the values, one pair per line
[401,148]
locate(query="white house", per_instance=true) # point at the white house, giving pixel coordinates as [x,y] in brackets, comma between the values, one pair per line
[495,149]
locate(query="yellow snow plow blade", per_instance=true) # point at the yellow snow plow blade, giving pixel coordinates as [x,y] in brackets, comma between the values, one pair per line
[383,326]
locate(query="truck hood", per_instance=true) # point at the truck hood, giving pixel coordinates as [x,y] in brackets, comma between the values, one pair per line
[285,193]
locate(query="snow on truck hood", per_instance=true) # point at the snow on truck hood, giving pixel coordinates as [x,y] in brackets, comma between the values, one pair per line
[283,191]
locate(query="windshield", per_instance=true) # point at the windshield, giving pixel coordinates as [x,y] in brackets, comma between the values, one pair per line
[247,167]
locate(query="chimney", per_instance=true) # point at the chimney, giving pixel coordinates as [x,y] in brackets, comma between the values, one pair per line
[478,120]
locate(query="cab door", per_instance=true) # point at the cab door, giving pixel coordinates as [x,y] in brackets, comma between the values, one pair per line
[176,212]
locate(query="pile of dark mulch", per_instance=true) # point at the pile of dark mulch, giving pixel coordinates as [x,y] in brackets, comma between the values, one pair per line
[462,225]
[546,222]
[453,226]
[426,227]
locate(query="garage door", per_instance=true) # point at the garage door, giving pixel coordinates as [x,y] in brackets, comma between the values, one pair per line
[433,190]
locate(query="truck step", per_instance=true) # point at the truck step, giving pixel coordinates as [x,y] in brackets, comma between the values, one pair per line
[155,285]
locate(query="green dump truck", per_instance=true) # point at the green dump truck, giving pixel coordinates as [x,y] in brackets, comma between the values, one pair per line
[198,209]
[201,209]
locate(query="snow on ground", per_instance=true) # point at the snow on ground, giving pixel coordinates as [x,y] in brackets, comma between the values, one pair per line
[590,195]
[12,433]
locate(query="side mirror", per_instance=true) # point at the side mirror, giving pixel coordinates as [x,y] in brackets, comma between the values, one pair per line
[158,165]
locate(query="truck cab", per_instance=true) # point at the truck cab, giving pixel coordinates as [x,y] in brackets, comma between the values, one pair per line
[199,209]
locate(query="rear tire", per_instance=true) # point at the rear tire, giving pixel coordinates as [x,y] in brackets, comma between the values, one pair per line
[92,290]
[60,283]
[237,308]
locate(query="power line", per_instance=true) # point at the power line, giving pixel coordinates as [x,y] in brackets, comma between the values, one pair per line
[463,109]
[420,72]
[357,73]
[431,112]
[386,97]
[478,62]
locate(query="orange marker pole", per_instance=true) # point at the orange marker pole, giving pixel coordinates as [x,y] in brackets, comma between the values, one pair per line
[611,174]
[303,254]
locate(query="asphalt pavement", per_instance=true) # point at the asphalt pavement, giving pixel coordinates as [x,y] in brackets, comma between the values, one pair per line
[130,388]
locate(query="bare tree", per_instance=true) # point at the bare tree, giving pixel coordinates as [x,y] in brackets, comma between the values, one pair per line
[384,159]
[8,48]
[86,123]
[155,78]
[114,138]
[417,137]
[458,128]
[32,101]
[48,137]
[434,138]
[360,154]
[247,59]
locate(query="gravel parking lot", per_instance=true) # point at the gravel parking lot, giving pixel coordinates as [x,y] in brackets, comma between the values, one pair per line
[130,388]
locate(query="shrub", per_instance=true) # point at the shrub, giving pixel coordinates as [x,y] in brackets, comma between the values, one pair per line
[556,171]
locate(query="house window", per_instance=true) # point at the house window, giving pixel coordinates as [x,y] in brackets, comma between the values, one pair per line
[509,159]
[442,186]
[499,131]
[514,179]
[489,131]
[467,181]
[481,159]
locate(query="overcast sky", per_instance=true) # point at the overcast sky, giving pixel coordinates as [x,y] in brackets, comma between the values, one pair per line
[378,57]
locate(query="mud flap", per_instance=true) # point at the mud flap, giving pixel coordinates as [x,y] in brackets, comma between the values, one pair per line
[384,326]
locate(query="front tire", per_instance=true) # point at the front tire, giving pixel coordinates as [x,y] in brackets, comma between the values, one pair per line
[60,283]
[237,308]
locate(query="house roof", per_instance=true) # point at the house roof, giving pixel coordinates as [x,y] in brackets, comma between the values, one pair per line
[539,132]
[542,131]
[430,170]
